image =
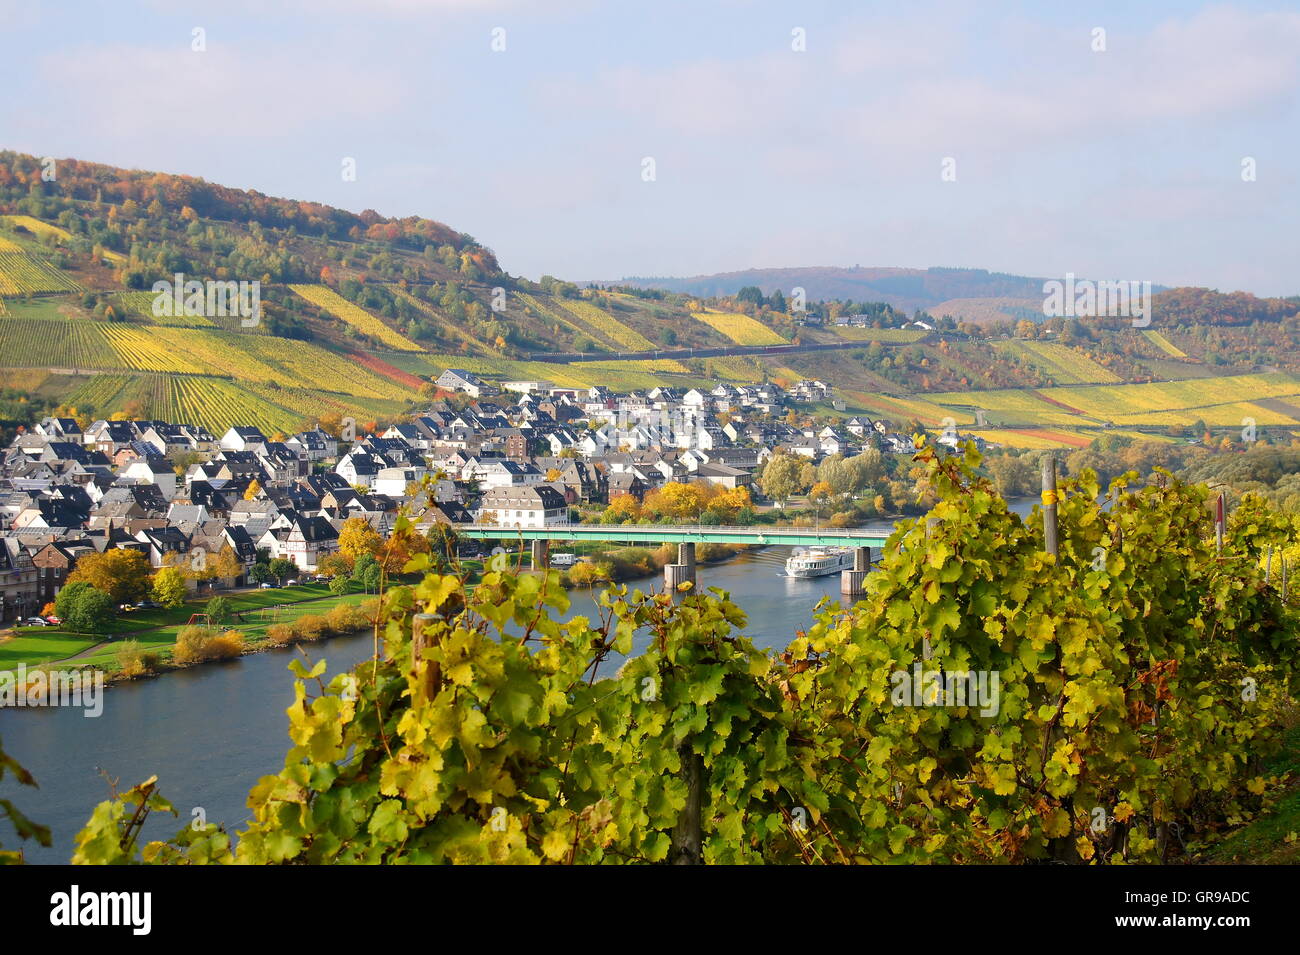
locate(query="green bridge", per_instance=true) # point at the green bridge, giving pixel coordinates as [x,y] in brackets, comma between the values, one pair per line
[686,537]
[684,534]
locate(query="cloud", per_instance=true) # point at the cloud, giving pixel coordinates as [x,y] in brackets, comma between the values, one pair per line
[223,95]
[1216,65]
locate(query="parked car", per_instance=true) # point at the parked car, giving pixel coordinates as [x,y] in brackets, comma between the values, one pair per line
[148,605]
[269,585]
[126,608]
[37,622]
[291,583]
[53,621]
[563,560]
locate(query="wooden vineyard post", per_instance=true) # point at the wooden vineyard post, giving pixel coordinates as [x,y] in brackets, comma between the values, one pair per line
[1050,543]
[688,834]
[1220,519]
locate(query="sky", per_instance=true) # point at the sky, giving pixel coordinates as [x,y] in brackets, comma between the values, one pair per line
[1156,141]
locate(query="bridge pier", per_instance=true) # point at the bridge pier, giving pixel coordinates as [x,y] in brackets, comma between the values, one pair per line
[683,570]
[541,554]
[853,583]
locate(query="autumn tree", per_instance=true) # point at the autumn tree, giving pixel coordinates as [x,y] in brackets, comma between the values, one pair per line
[227,565]
[357,537]
[169,587]
[780,477]
[121,573]
[622,509]
[254,489]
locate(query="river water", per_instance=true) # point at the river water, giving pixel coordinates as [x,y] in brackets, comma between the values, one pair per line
[210,732]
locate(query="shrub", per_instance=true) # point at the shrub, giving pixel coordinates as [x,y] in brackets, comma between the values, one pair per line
[192,644]
[347,618]
[311,627]
[281,634]
[230,644]
[590,572]
[132,661]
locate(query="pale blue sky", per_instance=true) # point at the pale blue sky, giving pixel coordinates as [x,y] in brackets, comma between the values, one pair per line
[1124,163]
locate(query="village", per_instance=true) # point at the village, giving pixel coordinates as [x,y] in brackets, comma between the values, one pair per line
[525,454]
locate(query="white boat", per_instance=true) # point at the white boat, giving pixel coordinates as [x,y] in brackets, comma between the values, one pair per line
[819,561]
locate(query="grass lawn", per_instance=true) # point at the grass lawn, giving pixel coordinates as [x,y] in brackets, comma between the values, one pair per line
[155,630]
[41,647]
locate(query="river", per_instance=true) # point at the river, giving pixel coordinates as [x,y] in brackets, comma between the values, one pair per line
[210,732]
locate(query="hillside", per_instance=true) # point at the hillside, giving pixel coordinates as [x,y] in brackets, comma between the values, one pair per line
[904,289]
[359,313]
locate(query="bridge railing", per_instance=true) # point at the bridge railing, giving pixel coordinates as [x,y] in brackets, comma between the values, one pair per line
[649,530]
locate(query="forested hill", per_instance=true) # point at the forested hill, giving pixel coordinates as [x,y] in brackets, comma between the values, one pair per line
[159,194]
[905,289]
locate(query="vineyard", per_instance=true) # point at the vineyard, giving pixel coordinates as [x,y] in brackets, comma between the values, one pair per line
[598,319]
[1022,406]
[334,304]
[219,403]
[741,329]
[284,361]
[443,323]
[565,319]
[905,409]
[1065,365]
[1034,439]
[1219,401]
[1230,415]
[743,369]
[1127,401]
[383,368]
[44,230]
[39,343]
[45,343]
[23,274]
[1164,344]
[141,303]
[36,227]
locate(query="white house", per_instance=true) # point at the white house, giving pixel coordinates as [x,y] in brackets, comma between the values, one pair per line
[308,540]
[243,439]
[393,481]
[536,506]
[153,471]
[457,379]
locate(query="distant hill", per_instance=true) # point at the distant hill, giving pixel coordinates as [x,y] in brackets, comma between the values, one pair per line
[904,289]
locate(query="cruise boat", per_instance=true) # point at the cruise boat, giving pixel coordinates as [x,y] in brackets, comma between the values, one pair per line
[819,561]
